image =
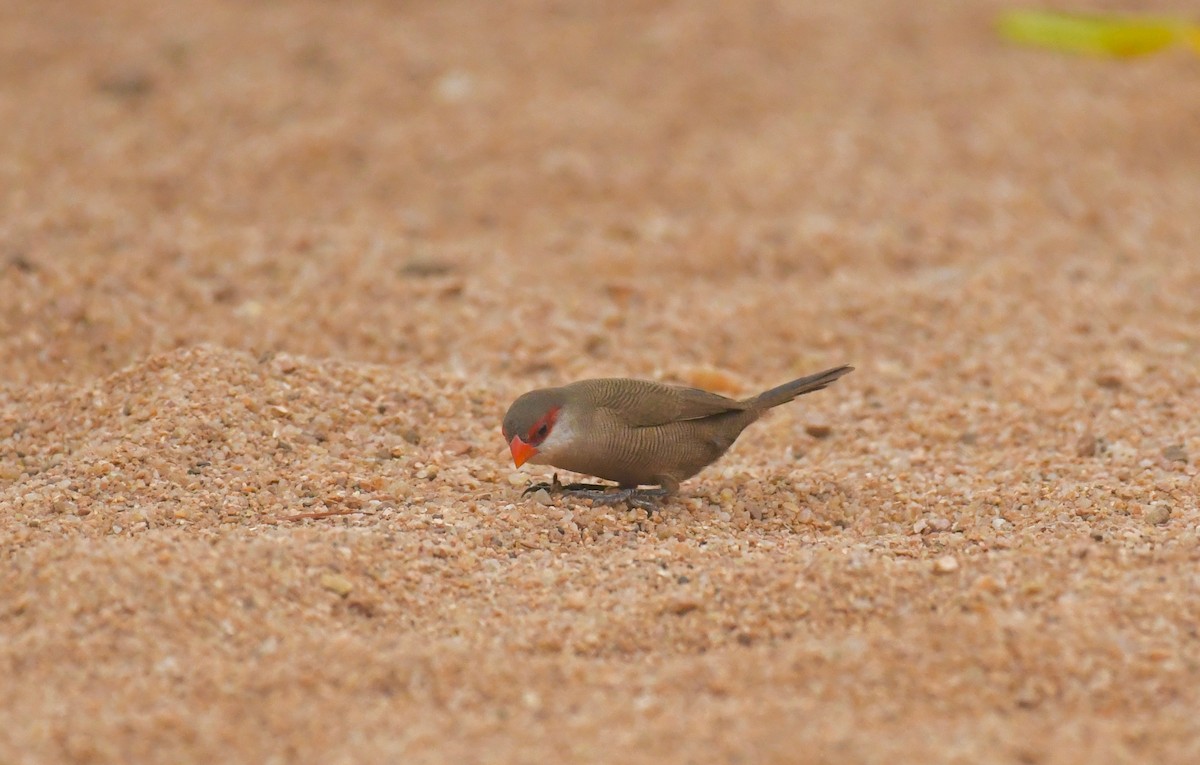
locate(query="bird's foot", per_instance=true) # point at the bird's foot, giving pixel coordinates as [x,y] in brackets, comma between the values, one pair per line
[644,499]
[554,487]
[601,494]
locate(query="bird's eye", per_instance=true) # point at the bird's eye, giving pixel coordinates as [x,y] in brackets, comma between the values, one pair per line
[536,436]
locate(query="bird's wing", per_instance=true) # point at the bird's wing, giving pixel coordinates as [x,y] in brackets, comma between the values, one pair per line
[644,404]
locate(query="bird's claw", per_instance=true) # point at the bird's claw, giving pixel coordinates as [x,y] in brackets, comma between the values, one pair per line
[649,500]
[553,487]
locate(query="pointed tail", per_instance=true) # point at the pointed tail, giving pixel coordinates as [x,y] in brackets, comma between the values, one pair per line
[789,390]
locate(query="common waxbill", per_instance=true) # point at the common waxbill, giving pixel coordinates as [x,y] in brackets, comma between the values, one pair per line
[637,432]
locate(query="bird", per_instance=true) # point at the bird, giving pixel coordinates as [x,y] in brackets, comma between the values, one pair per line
[636,433]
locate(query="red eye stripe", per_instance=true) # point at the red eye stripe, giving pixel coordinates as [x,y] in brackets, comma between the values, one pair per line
[535,435]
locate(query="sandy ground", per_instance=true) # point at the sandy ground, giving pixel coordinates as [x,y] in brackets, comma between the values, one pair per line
[265,259]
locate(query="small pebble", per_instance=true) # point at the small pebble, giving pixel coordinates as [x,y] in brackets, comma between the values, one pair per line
[947,564]
[575,601]
[542,497]
[531,699]
[1175,453]
[818,429]
[126,83]
[336,583]
[681,605]
[1110,380]
[988,584]
[1087,446]
[454,87]
[1158,515]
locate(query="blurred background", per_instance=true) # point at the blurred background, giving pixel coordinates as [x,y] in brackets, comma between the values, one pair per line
[552,188]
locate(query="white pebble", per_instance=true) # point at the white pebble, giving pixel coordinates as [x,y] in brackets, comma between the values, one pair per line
[946,564]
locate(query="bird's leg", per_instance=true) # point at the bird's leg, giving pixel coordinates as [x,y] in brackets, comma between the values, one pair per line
[576,487]
[603,494]
[645,499]
[554,487]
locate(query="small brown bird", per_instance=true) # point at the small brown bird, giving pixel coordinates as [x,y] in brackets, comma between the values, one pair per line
[636,432]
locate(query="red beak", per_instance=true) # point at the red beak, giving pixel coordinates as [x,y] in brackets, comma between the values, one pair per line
[521,451]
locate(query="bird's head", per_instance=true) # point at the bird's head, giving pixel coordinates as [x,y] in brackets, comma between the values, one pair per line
[534,426]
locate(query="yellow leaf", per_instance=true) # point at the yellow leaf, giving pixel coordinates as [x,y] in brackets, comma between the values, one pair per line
[1097,35]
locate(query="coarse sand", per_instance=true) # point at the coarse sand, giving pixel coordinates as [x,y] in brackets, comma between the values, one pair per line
[270,274]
